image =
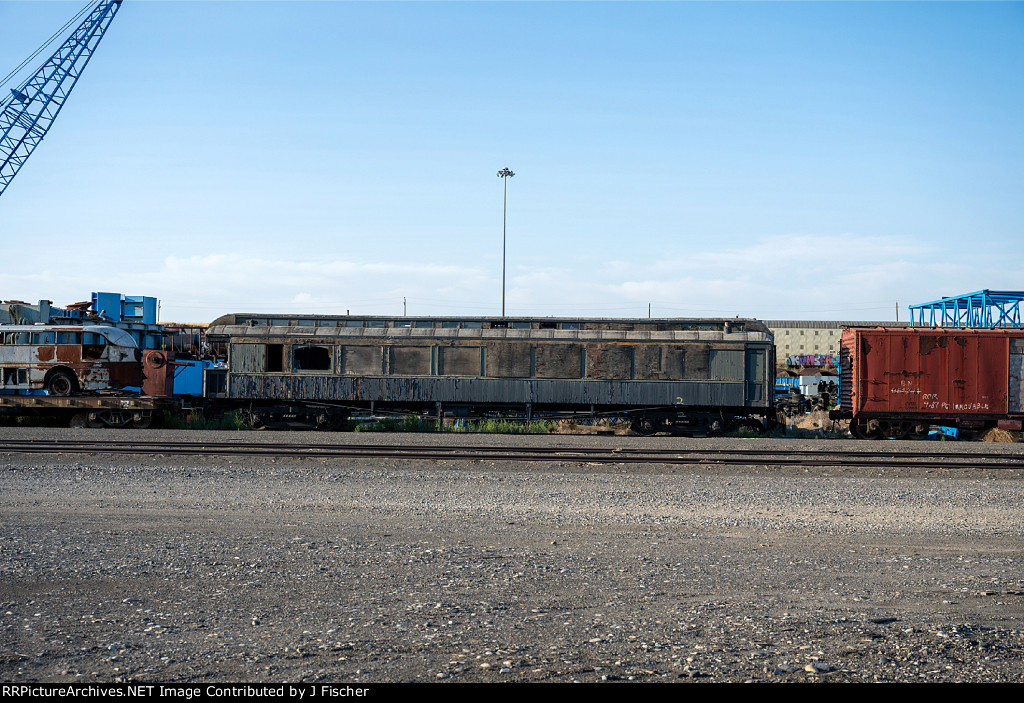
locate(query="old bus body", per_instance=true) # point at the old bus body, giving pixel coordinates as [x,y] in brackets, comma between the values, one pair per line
[67,359]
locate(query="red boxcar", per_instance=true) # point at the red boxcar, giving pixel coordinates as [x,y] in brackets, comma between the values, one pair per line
[895,382]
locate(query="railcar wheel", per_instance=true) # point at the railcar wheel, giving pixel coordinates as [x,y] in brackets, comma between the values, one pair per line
[60,383]
[919,430]
[644,426]
[257,421]
[866,429]
[142,422]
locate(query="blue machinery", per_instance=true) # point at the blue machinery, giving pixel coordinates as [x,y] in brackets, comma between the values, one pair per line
[983,308]
[27,113]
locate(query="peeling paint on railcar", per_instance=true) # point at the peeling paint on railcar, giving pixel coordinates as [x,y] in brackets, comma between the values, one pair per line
[423,391]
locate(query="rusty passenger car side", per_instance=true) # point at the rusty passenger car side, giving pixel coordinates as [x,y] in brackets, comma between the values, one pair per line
[693,375]
[67,359]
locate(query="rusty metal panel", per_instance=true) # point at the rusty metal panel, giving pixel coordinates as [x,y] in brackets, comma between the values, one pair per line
[157,373]
[907,371]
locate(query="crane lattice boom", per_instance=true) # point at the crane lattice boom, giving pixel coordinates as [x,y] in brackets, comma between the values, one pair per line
[26,115]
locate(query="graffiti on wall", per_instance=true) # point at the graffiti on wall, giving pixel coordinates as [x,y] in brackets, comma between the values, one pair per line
[812,360]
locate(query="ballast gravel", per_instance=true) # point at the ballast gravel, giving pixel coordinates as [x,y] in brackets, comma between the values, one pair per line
[213,569]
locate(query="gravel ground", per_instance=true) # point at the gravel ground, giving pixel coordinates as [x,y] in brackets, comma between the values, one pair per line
[213,569]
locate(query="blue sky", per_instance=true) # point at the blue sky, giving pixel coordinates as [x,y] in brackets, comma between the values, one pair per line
[772,160]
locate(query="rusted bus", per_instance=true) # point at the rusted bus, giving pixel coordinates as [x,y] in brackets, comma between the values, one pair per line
[710,366]
[898,380]
[67,359]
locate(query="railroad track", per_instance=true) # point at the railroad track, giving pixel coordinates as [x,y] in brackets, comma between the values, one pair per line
[621,455]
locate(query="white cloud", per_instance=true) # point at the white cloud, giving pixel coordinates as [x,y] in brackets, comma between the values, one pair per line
[833,277]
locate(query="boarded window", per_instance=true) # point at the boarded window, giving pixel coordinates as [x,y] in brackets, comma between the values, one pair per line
[696,362]
[558,360]
[311,358]
[244,358]
[667,363]
[410,361]
[361,361]
[612,361]
[461,361]
[508,360]
[726,364]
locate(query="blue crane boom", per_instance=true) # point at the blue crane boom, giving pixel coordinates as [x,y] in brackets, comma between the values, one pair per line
[27,113]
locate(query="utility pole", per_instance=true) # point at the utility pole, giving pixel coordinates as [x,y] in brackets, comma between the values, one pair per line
[504,174]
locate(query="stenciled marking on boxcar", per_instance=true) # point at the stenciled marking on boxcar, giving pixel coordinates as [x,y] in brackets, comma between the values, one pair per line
[905,386]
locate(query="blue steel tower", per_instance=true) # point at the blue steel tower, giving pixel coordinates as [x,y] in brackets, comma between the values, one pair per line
[27,113]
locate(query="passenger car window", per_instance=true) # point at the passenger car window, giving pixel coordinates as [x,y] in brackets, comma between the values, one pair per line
[311,358]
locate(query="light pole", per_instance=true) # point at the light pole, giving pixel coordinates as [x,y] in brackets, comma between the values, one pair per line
[504,174]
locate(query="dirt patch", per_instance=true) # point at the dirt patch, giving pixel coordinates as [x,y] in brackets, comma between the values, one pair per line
[570,427]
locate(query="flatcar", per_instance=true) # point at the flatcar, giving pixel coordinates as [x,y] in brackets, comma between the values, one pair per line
[695,376]
[897,382]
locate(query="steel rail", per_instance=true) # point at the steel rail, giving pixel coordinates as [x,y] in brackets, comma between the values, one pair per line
[585,455]
[230,443]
